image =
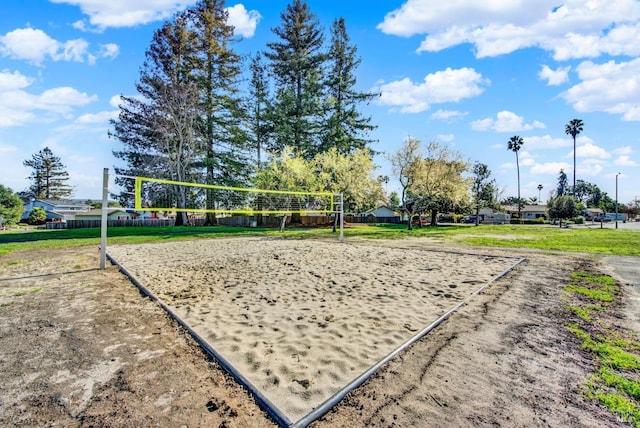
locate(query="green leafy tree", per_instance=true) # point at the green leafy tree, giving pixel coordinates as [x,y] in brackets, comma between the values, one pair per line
[588,193]
[394,200]
[431,184]
[352,175]
[563,207]
[515,144]
[574,128]
[49,178]
[345,128]
[288,171]
[562,184]
[482,187]
[11,207]
[443,185]
[37,216]
[297,62]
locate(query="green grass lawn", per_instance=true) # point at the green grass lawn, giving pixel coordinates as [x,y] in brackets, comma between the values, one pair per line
[591,241]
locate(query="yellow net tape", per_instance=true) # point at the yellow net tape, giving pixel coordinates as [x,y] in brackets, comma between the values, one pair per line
[239,200]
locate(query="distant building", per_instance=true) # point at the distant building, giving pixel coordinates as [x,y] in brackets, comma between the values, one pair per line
[528,212]
[56,210]
[96,214]
[489,216]
[381,211]
[591,213]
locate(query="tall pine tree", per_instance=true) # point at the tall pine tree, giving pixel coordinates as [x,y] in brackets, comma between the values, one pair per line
[186,125]
[217,69]
[259,107]
[345,127]
[297,62]
[49,178]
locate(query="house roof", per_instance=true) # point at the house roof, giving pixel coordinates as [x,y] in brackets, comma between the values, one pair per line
[526,208]
[381,207]
[62,204]
[98,211]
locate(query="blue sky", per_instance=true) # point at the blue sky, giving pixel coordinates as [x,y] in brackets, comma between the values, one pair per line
[469,74]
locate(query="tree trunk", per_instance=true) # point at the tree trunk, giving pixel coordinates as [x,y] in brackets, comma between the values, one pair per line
[283,222]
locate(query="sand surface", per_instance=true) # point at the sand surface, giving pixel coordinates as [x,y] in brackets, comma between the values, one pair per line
[302,319]
[82,347]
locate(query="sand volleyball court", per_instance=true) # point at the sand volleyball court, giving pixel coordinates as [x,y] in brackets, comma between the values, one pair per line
[301,319]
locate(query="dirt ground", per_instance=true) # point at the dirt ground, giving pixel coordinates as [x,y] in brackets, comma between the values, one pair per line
[81,347]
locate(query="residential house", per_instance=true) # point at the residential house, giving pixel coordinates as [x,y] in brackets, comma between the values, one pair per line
[382,214]
[591,213]
[528,212]
[96,214]
[58,211]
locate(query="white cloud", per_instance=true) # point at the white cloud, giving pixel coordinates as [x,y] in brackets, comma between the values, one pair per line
[125,13]
[17,106]
[625,150]
[571,29]
[440,87]
[505,121]
[102,117]
[12,81]
[62,99]
[589,167]
[525,158]
[546,142]
[448,115]
[611,87]
[244,21]
[115,101]
[35,46]
[482,124]
[109,50]
[625,160]
[73,50]
[554,77]
[29,44]
[445,138]
[590,150]
[550,168]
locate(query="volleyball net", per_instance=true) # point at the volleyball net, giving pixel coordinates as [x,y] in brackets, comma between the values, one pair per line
[154,194]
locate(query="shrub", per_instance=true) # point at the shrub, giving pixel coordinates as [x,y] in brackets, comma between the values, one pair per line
[37,216]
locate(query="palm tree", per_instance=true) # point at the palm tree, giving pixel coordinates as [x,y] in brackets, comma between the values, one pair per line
[514,145]
[539,190]
[574,128]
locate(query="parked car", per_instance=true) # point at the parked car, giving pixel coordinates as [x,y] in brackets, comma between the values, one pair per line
[469,219]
